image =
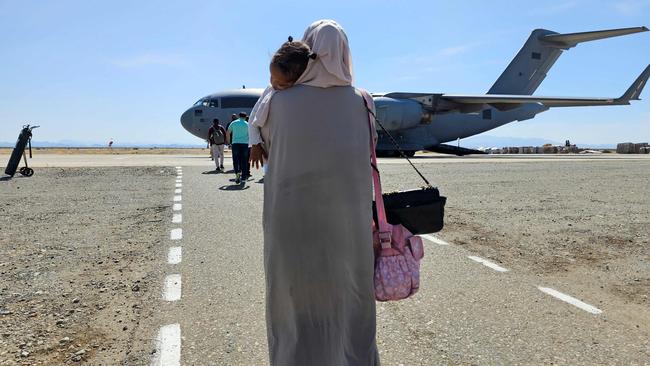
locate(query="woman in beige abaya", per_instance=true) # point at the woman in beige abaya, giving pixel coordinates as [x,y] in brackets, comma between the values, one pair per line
[318,256]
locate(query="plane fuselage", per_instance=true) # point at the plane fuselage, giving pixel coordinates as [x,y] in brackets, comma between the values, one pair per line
[410,134]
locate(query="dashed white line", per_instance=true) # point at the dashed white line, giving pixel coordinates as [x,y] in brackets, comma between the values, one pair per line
[487,263]
[168,342]
[571,300]
[172,291]
[168,346]
[433,239]
[179,167]
[176,234]
[175,255]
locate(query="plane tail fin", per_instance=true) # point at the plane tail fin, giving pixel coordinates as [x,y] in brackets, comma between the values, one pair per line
[528,69]
[634,91]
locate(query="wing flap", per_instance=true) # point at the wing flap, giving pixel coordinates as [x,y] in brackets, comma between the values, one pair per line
[493,99]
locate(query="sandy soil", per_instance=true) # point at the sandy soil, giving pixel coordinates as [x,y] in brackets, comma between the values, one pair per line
[77,261]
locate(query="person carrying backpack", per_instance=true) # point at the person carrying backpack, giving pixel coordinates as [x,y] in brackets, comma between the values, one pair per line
[216,140]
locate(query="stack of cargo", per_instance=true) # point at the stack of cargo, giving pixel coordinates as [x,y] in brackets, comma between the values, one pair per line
[638,147]
[632,148]
[549,149]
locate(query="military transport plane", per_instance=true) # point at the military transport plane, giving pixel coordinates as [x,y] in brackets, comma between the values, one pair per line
[425,121]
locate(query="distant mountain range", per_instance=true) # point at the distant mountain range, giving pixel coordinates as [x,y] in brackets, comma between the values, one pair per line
[72,143]
[473,142]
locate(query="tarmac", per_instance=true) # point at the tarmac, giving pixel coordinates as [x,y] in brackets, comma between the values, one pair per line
[43,160]
[543,260]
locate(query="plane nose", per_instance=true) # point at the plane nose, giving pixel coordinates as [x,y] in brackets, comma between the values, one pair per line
[186,120]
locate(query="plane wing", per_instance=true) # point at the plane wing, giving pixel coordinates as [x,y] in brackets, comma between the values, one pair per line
[447,102]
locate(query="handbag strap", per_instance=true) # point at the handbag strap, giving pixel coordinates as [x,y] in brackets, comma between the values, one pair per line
[385,229]
[366,98]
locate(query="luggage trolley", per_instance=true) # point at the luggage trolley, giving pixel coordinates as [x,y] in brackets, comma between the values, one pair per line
[24,139]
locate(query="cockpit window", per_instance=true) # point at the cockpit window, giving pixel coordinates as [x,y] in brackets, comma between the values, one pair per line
[205,102]
[238,102]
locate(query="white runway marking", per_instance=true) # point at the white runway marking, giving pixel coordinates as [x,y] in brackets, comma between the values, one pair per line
[172,291]
[571,300]
[178,191]
[177,219]
[487,263]
[177,207]
[175,255]
[168,346]
[176,234]
[177,198]
[179,167]
[179,185]
[433,239]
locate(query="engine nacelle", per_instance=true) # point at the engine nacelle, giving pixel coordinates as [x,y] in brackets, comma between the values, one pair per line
[398,114]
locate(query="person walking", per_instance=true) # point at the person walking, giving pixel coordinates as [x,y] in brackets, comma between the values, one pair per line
[216,141]
[318,254]
[238,138]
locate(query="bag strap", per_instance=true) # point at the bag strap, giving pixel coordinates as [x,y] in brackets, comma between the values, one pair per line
[385,229]
[366,96]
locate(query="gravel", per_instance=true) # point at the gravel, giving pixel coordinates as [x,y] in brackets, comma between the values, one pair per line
[76,244]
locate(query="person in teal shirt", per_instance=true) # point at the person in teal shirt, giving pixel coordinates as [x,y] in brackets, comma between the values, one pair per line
[238,137]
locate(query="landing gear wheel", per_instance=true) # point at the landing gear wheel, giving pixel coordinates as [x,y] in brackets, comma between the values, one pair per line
[409,153]
[27,172]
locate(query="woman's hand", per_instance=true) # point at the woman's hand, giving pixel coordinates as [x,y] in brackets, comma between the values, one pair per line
[257,156]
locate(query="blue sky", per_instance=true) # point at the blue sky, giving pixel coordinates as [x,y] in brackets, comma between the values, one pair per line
[90,70]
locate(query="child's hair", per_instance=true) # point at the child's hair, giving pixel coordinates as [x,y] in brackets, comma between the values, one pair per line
[292,58]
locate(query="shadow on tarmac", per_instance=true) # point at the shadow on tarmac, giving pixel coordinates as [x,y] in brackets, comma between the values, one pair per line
[9,177]
[234,187]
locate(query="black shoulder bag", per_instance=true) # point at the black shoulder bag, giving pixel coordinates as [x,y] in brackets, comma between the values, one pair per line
[422,210]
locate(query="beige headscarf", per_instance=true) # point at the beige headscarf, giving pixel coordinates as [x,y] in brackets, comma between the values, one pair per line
[332,67]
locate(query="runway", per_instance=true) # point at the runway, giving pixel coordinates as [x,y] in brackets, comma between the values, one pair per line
[44,159]
[542,260]
[469,311]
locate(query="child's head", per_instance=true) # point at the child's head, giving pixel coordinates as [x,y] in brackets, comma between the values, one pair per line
[288,63]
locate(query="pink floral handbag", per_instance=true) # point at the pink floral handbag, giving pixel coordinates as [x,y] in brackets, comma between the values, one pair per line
[397,251]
